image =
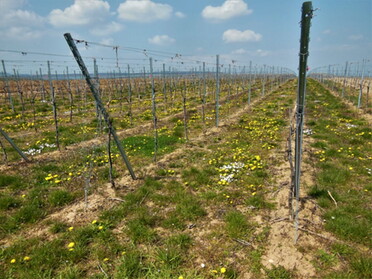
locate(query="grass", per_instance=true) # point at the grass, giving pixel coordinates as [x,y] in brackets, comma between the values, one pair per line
[341,168]
[237,225]
[344,142]
[191,209]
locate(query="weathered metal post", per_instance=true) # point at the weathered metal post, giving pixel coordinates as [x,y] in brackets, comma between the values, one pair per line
[94,91]
[307,13]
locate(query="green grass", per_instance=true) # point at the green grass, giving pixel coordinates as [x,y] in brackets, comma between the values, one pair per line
[13,182]
[9,202]
[60,197]
[144,145]
[343,171]
[237,225]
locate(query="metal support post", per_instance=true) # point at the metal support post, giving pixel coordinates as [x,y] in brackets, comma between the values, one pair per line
[95,93]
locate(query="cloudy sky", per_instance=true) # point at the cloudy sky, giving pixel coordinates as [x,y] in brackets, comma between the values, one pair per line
[262,31]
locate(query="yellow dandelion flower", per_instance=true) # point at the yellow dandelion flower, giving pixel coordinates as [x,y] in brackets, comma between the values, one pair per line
[180,277]
[223,270]
[26,258]
[106,259]
[100,227]
[94,222]
[71,245]
[70,228]
[71,249]
[13,261]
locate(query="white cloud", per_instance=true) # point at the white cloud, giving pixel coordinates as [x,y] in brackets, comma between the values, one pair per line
[110,28]
[21,18]
[355,37]
[262,53]
[82,12]
[258,52]
[161,40]
[144,11]
[233,36]
[239,51]
[180,15]
[7,5]
[229,9]
[17,24]
[21,33]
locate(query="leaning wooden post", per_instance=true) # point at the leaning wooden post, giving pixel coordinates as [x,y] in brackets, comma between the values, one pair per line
[307,13]
[94,91]
[5,135]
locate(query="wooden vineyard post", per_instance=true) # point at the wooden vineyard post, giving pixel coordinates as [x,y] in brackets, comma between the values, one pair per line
[97,98]
[7,87]
[70,93]
[344,82]
[307,13]
[130,97]
[184,96]
[250,83]
[155,119]
[20,91]
[361,84]
[204,95]
[217,88]
[164,89]
[98,112]
[53,99]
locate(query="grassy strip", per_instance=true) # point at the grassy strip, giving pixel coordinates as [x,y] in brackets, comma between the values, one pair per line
[342,161]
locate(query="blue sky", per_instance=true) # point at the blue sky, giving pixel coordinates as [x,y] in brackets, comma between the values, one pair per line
[262,31]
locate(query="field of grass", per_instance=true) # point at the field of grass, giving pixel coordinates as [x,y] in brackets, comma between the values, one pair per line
[206,208]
